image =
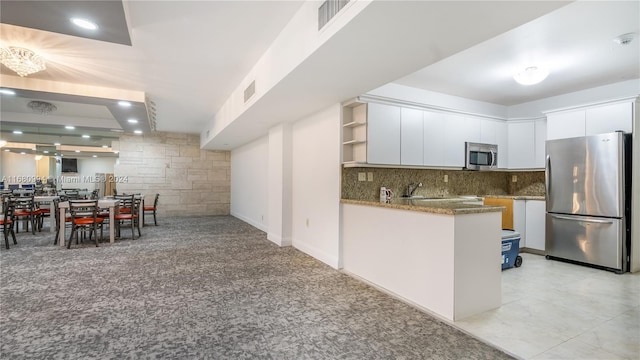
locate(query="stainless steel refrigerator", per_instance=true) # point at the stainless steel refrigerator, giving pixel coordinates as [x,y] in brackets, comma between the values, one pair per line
[588,182]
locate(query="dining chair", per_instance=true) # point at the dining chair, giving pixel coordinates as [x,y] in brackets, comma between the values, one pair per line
[127,212]
[151,209]
[84,217]
[7,220]
[26,211]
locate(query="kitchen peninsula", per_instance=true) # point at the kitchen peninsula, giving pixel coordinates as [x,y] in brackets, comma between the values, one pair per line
[441,256]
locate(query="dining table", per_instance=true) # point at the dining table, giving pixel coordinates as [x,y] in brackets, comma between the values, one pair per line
[103,203]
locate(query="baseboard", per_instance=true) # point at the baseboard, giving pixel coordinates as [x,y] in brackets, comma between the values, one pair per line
[278,240]
[326,258]
[250,221]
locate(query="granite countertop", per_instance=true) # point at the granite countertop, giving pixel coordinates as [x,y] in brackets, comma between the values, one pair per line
[516,197]
[454,206]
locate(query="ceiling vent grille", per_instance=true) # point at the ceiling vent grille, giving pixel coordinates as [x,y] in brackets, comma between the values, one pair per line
[249,91]
[328,10]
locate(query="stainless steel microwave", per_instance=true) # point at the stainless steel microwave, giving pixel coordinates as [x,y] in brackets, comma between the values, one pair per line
[480,156]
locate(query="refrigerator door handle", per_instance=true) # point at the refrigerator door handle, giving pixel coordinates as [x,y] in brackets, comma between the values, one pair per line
[547,175]
[580,219]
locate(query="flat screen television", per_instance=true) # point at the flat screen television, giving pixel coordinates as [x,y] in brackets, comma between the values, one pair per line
[69,165]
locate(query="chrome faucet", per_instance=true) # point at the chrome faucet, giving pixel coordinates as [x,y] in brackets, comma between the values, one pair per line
[412,188]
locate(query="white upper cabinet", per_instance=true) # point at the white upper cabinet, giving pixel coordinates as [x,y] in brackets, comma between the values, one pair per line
[540,143]
[383,134]
[433,139]
[495,132]
[455,136]
[566,125]
[609,118]
[590,121]
[411,137]
[521,145]
[472,129]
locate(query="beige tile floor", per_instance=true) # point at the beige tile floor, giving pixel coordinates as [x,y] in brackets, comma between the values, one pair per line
[556,310]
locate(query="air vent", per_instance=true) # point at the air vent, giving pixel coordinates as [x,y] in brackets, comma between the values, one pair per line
[328,10]
[249,91]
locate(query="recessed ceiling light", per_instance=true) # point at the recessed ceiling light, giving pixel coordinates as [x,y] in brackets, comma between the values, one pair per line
[95,155]
[22,152]
[132,121]
[77,150]
[46,151]
[7,92]
[138,131]
[17,132]
[7,150]
[56,144]
[115,152]
[124,103]
[69,127]
[84,23]
[85,136]
[34,149]
[105,146]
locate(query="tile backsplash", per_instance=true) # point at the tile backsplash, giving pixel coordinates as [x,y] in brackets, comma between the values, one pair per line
[459,182]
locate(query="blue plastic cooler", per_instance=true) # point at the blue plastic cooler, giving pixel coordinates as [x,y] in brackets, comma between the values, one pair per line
[510,249]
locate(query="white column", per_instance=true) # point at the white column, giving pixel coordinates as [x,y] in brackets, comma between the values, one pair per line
[279,185]
[635,192]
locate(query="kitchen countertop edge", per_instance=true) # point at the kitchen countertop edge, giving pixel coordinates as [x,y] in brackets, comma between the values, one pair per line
[516,197]
[445,207]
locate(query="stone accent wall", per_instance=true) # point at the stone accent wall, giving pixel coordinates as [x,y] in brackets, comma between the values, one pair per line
[190,181]
[459,182]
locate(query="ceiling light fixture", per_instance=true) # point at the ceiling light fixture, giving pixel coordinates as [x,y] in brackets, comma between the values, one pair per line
[23,61]
[124,103]
[132,121]
[105,146]
[531,75]
[86,136]
[138,132]
[69,127]
[41,107]
[95,156]
[624,39]
[17,132]
[7,92]
[84,23]
[3,143]
[38,157]
[56,144]
[77,150]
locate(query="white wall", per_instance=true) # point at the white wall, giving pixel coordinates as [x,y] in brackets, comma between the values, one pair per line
[249,185]
[439,100]
[624,89]
[299,39]
[316,185]
[87,169]
[17,168]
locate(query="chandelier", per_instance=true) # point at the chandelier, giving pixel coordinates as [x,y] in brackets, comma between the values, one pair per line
[22,61]
[41,107]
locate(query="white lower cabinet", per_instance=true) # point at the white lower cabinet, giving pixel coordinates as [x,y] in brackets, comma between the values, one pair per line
[520,220]
[535,226]
[529,221]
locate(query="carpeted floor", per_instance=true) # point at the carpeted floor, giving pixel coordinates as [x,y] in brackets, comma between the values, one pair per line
[204,288]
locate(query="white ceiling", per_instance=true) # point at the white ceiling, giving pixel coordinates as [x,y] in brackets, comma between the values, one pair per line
[188,56]
[575,43]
